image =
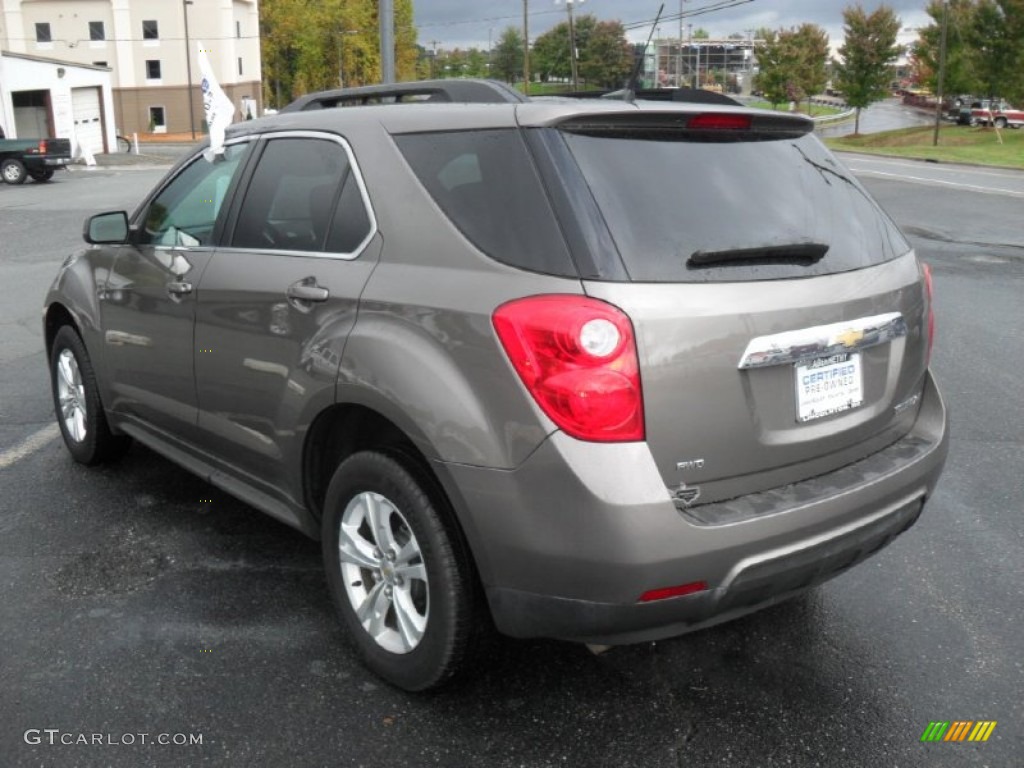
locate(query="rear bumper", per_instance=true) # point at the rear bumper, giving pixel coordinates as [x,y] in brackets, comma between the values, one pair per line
[568,542]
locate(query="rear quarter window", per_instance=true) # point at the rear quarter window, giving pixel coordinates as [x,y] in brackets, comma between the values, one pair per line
[485,182]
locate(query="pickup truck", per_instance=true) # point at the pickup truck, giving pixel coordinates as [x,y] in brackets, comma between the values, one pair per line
[999,113]
[36,158]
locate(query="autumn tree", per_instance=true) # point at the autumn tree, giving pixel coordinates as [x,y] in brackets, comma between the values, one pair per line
[310,45]
[864,70]
[793,63]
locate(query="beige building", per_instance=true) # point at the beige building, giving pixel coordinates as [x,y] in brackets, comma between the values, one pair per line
[143,43]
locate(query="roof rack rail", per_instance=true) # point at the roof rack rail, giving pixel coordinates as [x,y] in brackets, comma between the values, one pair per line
[688,95]
[451,91]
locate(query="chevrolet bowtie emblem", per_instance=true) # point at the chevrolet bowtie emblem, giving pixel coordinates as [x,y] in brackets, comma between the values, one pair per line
[849,338]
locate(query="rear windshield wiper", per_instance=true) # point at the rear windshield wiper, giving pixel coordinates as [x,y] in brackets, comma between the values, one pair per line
[799,254]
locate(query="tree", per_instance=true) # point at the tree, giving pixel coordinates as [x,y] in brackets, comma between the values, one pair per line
[984,48]
[508,55]
[793,63]
[866,56]
[607,59]
[996,40]
[550,54]
[310,45]
[959,75]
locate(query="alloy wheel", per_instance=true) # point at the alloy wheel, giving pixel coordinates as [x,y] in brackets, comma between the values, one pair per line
[71,395]
[383,571]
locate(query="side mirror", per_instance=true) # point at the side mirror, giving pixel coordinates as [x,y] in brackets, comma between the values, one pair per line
[106,228]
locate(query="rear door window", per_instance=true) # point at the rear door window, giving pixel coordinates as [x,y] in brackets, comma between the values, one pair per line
[697,211]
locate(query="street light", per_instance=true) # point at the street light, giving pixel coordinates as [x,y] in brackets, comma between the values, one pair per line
[188,68]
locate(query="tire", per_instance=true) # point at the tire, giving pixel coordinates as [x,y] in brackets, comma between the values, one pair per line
[123,144]
[13,171]
[1000,123]
[403,586]
[44,175]
[76,402]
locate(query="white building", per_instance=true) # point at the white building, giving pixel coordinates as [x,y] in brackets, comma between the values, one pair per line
[151,49]
[42,97]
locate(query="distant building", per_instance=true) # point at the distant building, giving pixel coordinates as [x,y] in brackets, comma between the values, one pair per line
[699,63]
[143,44]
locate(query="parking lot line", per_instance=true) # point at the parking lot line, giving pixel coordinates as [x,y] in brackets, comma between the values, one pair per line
[29,445]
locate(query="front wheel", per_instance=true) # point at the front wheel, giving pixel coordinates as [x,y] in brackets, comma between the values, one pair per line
[76,400]
[13,171]
[399,579]
[124,144]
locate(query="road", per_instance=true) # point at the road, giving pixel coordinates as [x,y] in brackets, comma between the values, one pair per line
[884,115]
[132,607]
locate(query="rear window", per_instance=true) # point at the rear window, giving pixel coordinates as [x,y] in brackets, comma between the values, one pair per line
[486,183]
[684,211]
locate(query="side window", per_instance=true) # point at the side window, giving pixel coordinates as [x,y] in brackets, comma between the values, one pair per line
[485,182]
[185,211]
[303,197]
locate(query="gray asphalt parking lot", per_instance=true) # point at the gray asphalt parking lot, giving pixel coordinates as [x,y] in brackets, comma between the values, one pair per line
[139,600]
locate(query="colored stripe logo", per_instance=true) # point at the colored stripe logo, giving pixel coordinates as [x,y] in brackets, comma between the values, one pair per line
[958,730]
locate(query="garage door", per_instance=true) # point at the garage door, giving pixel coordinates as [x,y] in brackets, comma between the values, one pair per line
[85,107]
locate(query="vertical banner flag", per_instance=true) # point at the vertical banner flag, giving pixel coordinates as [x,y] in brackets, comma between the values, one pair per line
[217,107]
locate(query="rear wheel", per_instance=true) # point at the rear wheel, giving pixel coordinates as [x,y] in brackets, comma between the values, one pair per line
[76,400]
[13,171]
[401,584]
[42,175]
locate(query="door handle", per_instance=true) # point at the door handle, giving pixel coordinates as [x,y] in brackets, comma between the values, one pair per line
[307,290]
[179,288]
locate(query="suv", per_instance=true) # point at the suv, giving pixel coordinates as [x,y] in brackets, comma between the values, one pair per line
[603,371]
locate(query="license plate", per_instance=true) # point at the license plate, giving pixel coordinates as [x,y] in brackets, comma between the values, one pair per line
[828,385]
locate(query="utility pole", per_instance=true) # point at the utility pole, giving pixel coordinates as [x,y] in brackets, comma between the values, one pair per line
[942,71]
[188,68]
[572,47]
[386,12]
[679,59]
[526,47]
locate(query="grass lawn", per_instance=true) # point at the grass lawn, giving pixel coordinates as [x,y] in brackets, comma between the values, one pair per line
[546,89]
[817,110]
[957,144]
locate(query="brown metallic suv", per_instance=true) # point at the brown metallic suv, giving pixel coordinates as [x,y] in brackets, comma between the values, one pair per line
[607,371]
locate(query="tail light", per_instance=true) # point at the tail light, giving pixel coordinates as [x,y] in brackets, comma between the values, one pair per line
[930,293]
[577,357]
[42,147]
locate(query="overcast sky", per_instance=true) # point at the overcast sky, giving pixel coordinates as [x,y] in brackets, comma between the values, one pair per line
[467,23]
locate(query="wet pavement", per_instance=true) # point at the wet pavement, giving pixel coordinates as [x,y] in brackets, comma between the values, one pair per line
[130,605]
